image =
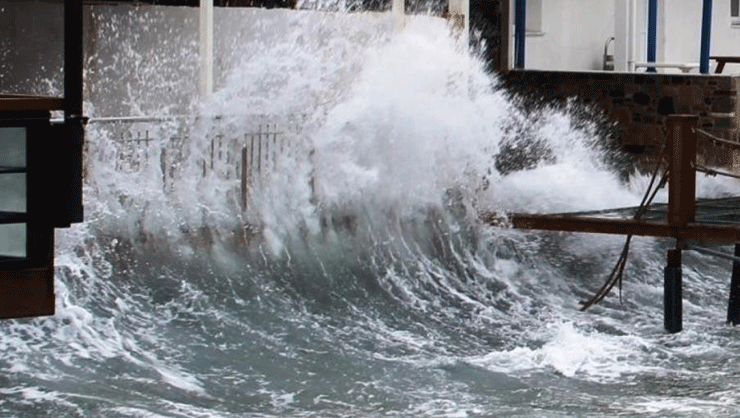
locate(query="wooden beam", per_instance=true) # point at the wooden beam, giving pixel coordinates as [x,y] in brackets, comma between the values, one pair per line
[205,31]
[19,102]
[682,169]
[590,225]
[708,233]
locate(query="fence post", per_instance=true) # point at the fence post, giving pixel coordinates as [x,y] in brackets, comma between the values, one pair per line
[245,178]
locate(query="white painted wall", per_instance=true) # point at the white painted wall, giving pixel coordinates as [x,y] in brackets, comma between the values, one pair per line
[573,35]
[683,33]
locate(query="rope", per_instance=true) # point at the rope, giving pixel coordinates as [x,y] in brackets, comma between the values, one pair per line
[711,172]
[703,250]
[617,273]
[707,136]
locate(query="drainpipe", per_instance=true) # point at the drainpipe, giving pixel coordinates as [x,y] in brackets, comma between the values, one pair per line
[520,23]
[652,32]
[73,119]
[706,31]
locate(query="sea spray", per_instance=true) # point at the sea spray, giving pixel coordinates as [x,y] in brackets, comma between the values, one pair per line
[374,289]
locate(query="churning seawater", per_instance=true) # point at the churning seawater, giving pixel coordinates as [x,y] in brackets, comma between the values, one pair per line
[366,284]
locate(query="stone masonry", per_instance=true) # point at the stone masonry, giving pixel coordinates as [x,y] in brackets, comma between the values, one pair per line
[640,103]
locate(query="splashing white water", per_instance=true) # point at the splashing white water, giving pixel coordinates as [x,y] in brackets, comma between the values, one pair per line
[394,129]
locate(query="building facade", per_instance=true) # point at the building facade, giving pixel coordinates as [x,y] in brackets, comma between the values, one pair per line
[581,35]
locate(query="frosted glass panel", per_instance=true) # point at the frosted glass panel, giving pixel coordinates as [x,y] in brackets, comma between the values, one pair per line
[13,192]
[13,240]
[12,147]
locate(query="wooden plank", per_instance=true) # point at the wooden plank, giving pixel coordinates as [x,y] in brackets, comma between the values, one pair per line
[707,233]
[14,102]
[591,225]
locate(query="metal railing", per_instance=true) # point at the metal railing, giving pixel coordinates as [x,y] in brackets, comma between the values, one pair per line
[242,149]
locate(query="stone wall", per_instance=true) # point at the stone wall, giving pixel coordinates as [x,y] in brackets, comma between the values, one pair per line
[640,103]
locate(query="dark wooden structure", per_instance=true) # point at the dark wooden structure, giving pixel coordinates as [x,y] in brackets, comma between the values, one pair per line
[688,222]
[40,181]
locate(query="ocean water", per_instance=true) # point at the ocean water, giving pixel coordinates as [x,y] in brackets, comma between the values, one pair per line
[365,284]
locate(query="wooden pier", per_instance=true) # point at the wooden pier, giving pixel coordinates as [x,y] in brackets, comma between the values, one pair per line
[689,222]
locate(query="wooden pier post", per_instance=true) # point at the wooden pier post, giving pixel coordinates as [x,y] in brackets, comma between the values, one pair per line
[682,170]
[733,307]
[672,293]
[681,210]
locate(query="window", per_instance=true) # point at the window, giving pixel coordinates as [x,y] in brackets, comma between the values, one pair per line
[12,192]
[534,17]
[735,13]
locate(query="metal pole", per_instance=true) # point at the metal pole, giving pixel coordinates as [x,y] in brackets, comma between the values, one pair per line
[398,8]
[706,31]
[206,48]
[652,32]
[520,23]
[672,293]
[631,46]
[621,35]
[73,120]
[246,170]
[733,306]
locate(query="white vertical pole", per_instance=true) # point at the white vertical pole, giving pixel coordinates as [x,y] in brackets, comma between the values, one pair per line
[206,48]
[399,13]
[661,32]
[466,17]
[460,9]
[621,35]
[632,47]
[511,31]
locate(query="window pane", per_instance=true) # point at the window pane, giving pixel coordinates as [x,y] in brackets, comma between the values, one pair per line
[13,240]
[534,16]
[12,147]
[13,192]
[735,8]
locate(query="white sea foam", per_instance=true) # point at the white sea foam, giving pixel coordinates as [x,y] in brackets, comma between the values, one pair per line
[573,353]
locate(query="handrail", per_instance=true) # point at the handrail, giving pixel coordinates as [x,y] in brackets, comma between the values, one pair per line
[707,136]
[134,119]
